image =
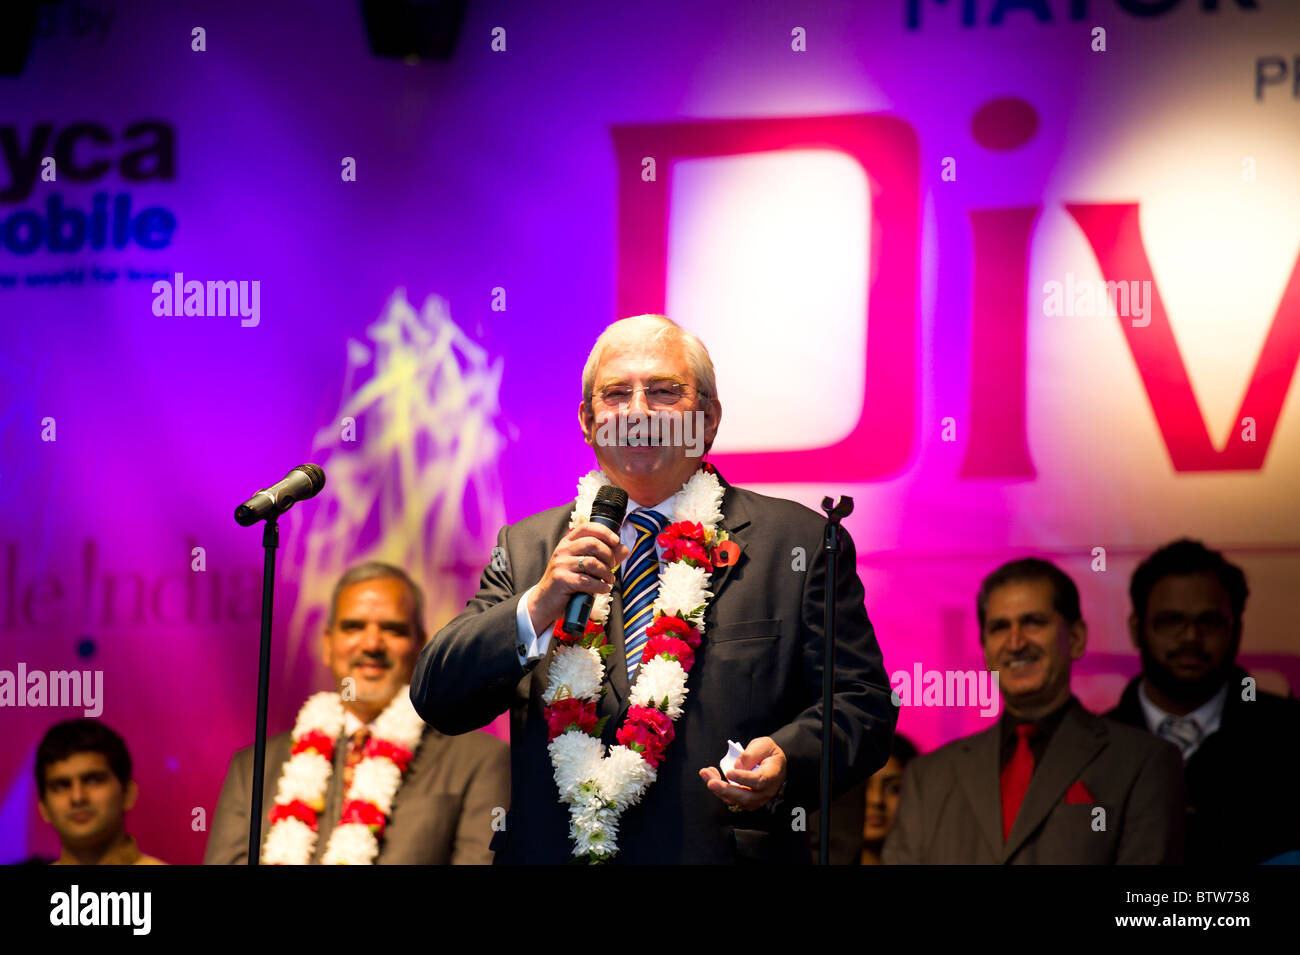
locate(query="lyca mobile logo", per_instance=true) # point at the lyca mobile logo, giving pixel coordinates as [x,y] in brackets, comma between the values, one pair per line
[82,153]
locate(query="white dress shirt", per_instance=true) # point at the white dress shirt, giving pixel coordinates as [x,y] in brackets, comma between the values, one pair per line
[531,645]
[351,723]
[1207,716]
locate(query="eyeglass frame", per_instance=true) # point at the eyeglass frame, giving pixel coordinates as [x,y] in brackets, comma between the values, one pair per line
[645,389]
[1230,623]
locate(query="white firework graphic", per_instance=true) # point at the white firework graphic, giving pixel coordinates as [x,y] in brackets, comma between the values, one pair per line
[412,460]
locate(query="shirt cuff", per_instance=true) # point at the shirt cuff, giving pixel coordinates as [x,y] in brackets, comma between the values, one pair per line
[529,645]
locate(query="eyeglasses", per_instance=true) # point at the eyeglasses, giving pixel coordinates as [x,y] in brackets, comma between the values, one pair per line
[658,394]
[1168,624]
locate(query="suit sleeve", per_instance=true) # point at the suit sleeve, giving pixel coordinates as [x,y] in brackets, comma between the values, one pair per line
[466,675]
[863,716]
[1154,816]
[905,844]
[228,840]
[487,796]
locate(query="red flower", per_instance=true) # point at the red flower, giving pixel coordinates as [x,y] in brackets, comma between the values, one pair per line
[315,740]
[400,755]
[293,810]
[365,813]
[684,540]
[669,646]
[669,626]
[592,628]
[571,711]
[648,731]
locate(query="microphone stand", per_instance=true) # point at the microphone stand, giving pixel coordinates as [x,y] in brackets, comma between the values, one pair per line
[831,548]
[270,541]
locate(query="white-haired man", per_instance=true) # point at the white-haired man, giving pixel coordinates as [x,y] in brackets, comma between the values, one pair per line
[706,628]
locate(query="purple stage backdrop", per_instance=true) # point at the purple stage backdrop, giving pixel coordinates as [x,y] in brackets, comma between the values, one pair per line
[893,223]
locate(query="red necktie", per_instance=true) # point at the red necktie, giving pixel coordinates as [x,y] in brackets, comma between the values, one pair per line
[1015,777]
[355,752]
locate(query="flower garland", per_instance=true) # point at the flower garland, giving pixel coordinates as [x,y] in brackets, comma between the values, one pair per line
[599,787]
[395,737]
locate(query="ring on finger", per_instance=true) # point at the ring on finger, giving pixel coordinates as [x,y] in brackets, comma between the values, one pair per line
[579,565]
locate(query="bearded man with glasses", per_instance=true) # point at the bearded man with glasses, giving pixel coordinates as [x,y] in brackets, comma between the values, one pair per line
[1239,744]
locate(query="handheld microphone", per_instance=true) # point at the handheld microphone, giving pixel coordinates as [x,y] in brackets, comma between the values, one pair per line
[607,511]
[302,482]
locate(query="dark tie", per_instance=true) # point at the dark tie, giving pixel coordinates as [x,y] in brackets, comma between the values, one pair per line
[640,583]
[1015,777]
[355,752]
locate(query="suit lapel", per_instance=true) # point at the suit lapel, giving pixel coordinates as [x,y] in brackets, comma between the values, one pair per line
[735,518]
[1079,738]
[979,780]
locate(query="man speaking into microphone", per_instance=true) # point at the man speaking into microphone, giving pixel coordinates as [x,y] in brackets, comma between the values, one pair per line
[703,639]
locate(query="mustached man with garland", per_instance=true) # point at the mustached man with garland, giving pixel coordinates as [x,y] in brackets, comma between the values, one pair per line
[361,779]
[706,628]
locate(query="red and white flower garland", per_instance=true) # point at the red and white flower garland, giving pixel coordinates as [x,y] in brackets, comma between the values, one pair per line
[300,797]
[598,787]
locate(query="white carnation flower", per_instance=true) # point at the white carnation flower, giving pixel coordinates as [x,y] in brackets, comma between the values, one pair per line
[323,712]
[376,781]
[700,500]
[399,723]
[351,844]
[578,668]
[600,607]
[576,757]
[657,679]
[594,830]
[588,485]
[304,776]
[682,588]
[290,842]
[624,776]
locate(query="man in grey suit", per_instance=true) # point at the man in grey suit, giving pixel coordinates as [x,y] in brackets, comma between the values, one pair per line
[454,790]
[757,672]
[1050,783]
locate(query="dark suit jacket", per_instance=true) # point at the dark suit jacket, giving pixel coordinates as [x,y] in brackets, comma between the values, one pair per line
[443,812]
[1243,779]
[758,672]
[950,810]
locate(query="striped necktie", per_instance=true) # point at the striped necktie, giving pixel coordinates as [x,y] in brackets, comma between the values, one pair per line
[1183,733]
[356,752]
[640,583]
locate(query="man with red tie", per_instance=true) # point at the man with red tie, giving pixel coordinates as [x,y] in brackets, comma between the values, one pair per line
[1050,783]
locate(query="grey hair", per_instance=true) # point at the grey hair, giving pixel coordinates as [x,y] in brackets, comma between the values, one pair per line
[378,570]
[659,328]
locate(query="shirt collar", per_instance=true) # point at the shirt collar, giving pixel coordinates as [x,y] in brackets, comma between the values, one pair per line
[1046,724]
[1207,716]
[666,507]
[351,723]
